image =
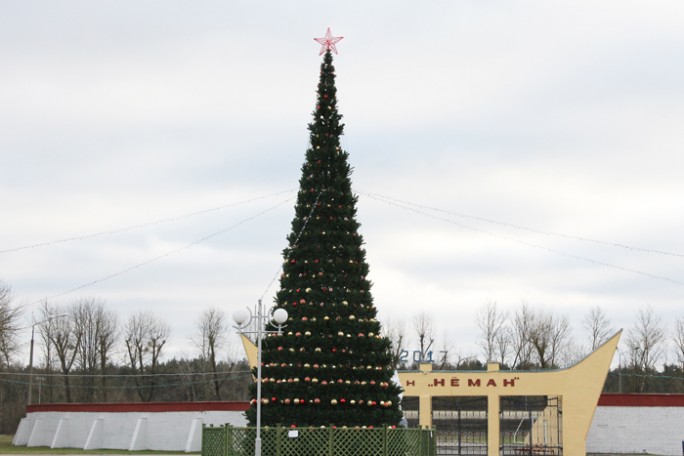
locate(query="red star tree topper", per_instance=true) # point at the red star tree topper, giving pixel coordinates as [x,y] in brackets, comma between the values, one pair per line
[328,42]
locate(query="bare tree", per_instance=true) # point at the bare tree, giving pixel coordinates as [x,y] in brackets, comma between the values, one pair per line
[45,331]
[503,344]
[598,326]
[491,322]
[108,333]
[539,338]
[212,336]
[561,340]
[65,337]
[423,326]
[645,344]
[97,327]
[145,336]
[83,315]
[395,330]
[446,354]
[679,341]
[549,335]
[9,319]
[523,320]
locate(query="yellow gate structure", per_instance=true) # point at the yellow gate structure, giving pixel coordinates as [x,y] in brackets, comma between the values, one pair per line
[577,387]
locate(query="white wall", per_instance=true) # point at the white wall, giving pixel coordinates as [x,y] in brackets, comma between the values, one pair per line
[656,430]
[171,431]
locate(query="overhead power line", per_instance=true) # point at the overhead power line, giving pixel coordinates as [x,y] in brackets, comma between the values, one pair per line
[141,225]
[419,210]
[387,199]
[167,254]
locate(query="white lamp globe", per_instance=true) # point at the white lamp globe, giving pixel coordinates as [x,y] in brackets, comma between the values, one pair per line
[280,316]
[240,316]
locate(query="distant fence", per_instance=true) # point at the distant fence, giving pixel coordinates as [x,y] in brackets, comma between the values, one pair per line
[278,441]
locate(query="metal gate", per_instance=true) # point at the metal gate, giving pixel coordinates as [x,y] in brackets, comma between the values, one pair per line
[531,425]
[461,424]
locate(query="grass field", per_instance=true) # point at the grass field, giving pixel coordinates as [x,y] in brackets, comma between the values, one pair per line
[6,447]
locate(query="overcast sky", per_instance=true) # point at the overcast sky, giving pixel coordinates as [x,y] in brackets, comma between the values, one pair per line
[516,120]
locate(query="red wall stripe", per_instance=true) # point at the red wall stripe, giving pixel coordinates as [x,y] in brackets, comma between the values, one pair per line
[141,407]
[641,400]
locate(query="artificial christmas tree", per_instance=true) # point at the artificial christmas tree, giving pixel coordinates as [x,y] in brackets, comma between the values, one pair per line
[330,366]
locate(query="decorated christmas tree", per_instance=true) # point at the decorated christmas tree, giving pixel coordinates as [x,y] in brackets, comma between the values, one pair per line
[331,366]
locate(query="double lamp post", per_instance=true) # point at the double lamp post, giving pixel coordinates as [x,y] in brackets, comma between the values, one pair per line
[243,319]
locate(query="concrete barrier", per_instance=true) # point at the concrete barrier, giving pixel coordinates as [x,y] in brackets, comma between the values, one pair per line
[137,426]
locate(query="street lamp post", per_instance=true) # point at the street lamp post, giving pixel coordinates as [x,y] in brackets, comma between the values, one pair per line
[33,331]
[243,318]
[40,380]
[619,372]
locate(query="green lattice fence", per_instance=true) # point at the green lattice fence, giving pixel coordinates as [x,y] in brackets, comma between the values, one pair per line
[232,441]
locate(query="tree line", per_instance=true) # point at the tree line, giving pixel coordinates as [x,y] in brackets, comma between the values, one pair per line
[86,353]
